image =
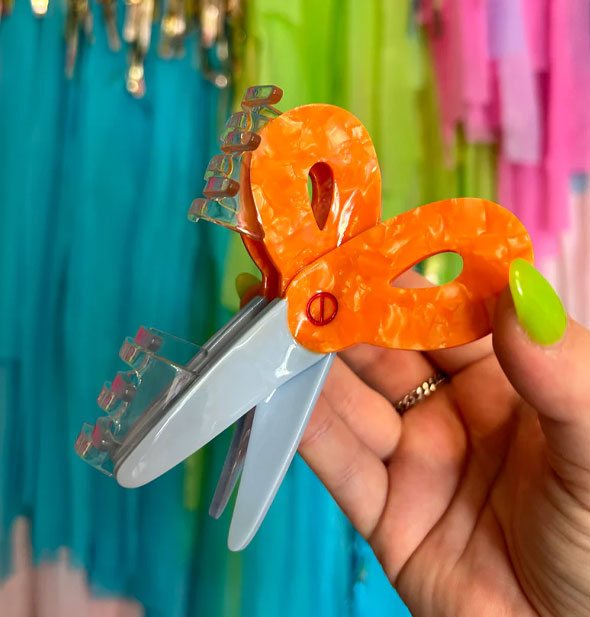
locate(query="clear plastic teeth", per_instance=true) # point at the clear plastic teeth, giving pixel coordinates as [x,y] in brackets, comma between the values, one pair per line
[86,449]
[223,203]
[175,349]
[220,165]
[125,386]
[107,399]
[221,187]
[217,212]
[247,121]
[241,120]
[149,387]
[262,95]
[149,339]
[240,142]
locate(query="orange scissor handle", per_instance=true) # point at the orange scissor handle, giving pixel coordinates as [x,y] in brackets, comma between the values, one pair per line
[346,297]
[331,147]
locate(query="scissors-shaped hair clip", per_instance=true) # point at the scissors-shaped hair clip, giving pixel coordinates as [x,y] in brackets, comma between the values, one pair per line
[327,264]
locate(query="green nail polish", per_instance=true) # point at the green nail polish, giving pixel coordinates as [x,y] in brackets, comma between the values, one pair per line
[538,308]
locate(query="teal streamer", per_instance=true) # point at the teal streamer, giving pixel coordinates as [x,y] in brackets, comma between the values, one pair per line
[94,242]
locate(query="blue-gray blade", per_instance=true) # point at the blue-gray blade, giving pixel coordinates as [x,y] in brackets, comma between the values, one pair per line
[232,467]
[276,432]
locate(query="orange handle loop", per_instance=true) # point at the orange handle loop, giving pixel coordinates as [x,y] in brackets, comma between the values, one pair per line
[331,147]
[346,297]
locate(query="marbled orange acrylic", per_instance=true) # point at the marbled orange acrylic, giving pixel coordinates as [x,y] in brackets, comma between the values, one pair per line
[370,310]
[333,260]
[291,145]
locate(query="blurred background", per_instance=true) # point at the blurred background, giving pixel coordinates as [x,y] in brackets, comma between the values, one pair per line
[109,113]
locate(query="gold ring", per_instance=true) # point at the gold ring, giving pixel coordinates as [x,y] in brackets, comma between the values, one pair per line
[424,390]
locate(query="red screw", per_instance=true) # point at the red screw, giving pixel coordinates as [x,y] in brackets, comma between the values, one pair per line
[321,308]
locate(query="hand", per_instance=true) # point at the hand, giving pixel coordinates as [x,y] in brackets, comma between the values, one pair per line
[476,501]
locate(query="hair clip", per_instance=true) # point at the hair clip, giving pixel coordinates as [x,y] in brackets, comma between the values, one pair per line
[327,264]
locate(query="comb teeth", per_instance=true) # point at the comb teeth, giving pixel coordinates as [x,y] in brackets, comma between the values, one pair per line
[222,204]
[99,457]
[221,187]
[148,339]
[153,383]
[240,120]
[214,211]
[262,95]
[220,165]
[265,112]
[131,352]
[149,342]
[121,390]
[102,436]
[240,141]
[83,444]
[123,387]
[249,121]
[107,399]
[198,209]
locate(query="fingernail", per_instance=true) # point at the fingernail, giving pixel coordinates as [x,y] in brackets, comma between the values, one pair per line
[245,281]
[538,307]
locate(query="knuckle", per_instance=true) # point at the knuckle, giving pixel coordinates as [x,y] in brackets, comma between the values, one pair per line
[319,426]
[348,471]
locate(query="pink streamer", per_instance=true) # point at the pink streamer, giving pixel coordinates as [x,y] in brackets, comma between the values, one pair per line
[53,589]
[528,88]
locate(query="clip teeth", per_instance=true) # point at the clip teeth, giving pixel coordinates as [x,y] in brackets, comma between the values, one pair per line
[210,210]
[148,339]
[198,207]
[221,214]
[130,352]
[83,443]
[240,141]
[262,95]
[107,399]
[96,455]
[251,121]
[101,437]
[221,187]
[223,203]
[152,383]
[220,165]
[123,388]
[240,120]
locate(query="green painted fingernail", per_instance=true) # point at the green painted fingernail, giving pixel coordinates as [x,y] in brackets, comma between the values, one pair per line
[538,308]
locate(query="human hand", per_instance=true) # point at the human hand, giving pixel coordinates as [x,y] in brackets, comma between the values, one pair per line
[477,500]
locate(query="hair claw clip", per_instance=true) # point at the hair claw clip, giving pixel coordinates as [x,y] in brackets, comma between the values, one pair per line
[327,263]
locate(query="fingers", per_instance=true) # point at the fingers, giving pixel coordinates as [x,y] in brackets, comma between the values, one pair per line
[547,359]
[370,416]
[392,373]
[349,469]
[456,359]
[424,474]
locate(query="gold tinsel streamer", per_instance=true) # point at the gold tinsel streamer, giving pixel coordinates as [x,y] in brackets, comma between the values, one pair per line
[218,25]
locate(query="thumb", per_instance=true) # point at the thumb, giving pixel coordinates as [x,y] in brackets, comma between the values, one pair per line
[546,356]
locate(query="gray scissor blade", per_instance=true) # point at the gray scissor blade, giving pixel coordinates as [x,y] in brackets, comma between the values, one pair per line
[260,360]
[233,465]
[161,402]
[276,432]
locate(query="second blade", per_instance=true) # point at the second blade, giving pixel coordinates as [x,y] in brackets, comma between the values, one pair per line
[234,462]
